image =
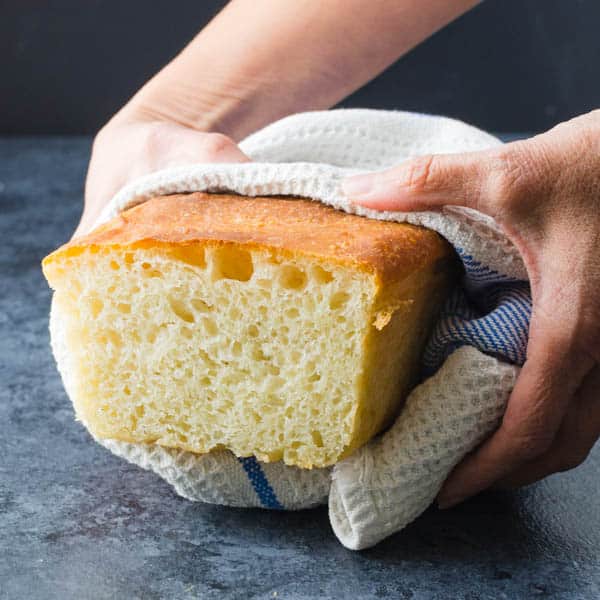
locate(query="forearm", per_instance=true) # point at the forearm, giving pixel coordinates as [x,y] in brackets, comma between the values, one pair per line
[260,60]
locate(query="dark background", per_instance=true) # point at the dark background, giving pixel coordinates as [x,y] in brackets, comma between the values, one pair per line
[509,65]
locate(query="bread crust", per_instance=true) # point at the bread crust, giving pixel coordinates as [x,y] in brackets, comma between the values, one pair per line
[390,250]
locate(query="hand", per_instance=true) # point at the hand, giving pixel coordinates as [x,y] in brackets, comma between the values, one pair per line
[130,146]
[545,193]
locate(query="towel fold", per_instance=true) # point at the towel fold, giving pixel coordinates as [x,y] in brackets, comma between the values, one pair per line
[471,360]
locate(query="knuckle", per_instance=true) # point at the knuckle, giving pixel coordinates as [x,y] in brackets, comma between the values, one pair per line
[217,143]
[99,139]
[520,174]
[573,459]
[512,177]
[152,138]
[102,139]
[577,337]
[577,438]
[532,444]
[588,330]
[418,174]
[152,132]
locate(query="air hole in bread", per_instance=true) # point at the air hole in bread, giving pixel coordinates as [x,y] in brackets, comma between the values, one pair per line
[317,438]
[266,284]
[210,326]
[96,306]
[180,309]
[292,278]
[191,255]
[338,300]
[258,354]
[292,313]
[114,338]
[321,275]
[200,306]
[232,263]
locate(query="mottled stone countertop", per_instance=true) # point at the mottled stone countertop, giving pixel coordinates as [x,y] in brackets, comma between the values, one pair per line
[77,522]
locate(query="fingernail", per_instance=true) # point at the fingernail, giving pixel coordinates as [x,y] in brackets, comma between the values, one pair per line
[357,185]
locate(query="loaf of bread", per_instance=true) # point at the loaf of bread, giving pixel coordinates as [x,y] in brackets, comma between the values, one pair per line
[274,327]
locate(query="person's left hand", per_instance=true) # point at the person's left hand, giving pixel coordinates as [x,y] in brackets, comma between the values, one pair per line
[131,145]
[545,193]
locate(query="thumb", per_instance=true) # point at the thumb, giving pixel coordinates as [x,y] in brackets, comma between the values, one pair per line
[424,183]
[535,411]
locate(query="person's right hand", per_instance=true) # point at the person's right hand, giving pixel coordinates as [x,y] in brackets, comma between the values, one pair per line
[545,194]
[130,146]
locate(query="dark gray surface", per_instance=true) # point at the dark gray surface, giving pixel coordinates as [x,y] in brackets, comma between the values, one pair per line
[76,522]
[508,65]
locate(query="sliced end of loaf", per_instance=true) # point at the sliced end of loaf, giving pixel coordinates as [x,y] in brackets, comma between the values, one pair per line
[213,344]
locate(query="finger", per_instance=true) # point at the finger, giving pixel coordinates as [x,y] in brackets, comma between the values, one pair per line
[424,183]
[491,181]
[186,146]
[577,435]
[218,148]
[538,403]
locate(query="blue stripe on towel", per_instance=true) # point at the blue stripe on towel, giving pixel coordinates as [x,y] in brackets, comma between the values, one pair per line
[490,311]
[260,483]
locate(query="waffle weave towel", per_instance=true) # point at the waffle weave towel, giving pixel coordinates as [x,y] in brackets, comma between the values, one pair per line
[471,361]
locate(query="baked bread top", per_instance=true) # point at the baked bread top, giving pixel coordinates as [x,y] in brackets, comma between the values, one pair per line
[390,250]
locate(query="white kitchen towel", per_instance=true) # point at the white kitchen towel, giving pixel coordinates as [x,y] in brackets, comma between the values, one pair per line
[471,361]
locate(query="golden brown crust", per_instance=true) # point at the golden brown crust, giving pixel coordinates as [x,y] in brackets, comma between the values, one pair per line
[390,250]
